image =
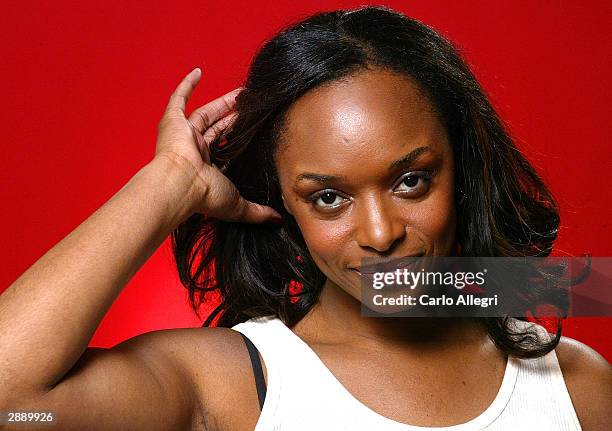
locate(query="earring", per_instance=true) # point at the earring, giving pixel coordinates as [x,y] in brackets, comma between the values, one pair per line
[463,197]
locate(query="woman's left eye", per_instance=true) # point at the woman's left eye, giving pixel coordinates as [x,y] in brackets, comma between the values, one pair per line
[414,181]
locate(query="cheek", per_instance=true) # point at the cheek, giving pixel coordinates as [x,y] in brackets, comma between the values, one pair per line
[325,240]
[436,220]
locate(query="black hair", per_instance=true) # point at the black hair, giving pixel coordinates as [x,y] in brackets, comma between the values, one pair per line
[504,209]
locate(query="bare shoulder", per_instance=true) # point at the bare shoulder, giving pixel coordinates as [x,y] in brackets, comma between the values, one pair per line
[216,363]
[588,377]
[190,347]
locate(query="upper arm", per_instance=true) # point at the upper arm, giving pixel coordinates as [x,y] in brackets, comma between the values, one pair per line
[140,384]
[588,377]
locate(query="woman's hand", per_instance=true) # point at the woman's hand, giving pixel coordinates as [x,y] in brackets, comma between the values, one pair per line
[185,142]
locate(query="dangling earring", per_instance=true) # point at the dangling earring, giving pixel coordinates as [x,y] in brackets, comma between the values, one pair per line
[462,197]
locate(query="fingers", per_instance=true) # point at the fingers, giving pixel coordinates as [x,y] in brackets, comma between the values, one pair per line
[203,117]
[216,129]
[250,212]
[178,99]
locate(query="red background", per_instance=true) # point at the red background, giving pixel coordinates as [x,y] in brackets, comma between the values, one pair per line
[86,83]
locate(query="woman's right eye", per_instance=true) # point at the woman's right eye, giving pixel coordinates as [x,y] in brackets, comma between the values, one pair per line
[326,199]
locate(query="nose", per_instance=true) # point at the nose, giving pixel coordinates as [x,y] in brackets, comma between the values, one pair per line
[379,225]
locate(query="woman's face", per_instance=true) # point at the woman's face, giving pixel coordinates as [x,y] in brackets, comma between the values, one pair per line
[366,170]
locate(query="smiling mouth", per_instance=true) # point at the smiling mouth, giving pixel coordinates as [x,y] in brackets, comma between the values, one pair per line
[385,266]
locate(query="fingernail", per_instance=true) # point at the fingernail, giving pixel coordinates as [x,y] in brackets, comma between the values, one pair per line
[197,71]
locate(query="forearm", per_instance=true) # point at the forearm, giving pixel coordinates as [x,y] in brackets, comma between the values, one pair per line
[49,314]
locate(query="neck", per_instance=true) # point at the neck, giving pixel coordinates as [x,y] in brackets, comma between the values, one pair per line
[337,318]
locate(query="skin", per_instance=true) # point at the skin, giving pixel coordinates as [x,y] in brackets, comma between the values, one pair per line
[201,378]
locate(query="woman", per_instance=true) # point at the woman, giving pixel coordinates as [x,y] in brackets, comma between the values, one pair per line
[358,134]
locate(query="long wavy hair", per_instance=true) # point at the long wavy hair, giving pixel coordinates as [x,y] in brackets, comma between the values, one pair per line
[503,207]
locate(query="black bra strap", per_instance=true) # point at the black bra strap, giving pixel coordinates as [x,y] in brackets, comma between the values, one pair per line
[260,382]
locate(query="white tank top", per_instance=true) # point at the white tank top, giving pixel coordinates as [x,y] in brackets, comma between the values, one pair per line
[532,395]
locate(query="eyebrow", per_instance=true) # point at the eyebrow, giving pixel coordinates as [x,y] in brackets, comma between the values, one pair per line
[404,160]
[319,178]
[409,158]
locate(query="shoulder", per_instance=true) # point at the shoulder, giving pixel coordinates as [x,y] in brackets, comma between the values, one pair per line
[216,364]
[204,353]
[588,377]
[187,348]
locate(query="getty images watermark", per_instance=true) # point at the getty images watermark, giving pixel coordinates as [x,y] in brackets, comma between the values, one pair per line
[487,286]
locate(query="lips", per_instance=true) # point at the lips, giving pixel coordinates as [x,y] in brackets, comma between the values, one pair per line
[386,265]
